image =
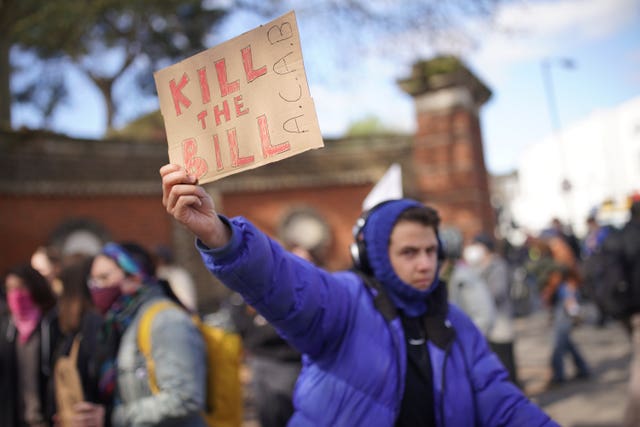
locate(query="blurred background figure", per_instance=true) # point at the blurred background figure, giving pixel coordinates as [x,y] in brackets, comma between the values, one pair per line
[274,364]
[79,321]
[123,287]
[179,278]
[566,233]
[630,257]
[481,255]
[593,266]
[29,334]
[466,288]
[555,268]
[47,261]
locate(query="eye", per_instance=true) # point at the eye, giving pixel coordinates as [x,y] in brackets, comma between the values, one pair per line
[409,252]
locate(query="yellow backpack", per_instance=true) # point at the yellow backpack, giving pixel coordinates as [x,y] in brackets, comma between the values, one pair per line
[224,352]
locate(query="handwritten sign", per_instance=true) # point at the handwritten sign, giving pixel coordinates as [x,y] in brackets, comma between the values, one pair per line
[241,104]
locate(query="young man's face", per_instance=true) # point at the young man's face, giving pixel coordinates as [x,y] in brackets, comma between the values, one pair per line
[413,251]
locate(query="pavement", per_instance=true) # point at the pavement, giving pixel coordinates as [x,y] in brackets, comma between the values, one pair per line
[598,401]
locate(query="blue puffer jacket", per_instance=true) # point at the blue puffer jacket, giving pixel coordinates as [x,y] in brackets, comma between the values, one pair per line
[355,361]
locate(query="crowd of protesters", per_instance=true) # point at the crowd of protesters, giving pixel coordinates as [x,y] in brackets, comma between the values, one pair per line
[68,344]
[87,308]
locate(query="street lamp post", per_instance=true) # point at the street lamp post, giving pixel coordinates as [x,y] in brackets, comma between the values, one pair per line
[556,127]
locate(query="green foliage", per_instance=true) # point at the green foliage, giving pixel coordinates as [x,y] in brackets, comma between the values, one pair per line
[108,38]
[369,125]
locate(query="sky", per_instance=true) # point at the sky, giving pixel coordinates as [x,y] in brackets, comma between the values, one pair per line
[600,37]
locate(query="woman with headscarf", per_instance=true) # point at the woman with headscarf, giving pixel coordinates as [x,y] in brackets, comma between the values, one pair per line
[123,287]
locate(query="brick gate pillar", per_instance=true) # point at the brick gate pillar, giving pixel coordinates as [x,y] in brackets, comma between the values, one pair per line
[449,171]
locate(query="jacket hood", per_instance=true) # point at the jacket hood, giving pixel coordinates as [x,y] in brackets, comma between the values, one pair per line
[377,234]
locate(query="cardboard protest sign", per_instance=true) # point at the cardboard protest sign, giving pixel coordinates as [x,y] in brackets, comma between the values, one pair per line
[241,104]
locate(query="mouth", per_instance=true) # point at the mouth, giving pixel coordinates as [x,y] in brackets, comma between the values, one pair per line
[422,284]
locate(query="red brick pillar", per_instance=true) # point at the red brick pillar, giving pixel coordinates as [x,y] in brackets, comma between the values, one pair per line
[448,161]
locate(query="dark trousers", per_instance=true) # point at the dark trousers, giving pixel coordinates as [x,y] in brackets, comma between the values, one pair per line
[504,351]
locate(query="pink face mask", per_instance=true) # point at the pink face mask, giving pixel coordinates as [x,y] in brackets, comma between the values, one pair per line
[25,313]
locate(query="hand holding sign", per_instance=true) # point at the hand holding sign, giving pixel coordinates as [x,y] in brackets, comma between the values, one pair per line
[192,206]
[239,105]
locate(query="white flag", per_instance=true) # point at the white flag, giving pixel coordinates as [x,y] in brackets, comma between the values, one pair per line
[389,187]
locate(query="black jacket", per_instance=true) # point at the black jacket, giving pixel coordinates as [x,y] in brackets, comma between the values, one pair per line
[49,337]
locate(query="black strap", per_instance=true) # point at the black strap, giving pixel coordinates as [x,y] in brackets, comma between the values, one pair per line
[381,301]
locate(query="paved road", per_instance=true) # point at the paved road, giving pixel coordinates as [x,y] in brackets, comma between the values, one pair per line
[596,402]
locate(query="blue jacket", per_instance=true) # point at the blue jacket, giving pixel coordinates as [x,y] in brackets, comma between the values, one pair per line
[354,359]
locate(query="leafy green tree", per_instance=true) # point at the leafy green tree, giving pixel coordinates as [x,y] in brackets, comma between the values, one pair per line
[105,39]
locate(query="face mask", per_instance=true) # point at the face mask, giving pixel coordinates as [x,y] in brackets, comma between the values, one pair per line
[25,313]
[103,298]
[474,255]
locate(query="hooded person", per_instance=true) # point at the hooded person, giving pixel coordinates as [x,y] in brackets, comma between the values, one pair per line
[381,346]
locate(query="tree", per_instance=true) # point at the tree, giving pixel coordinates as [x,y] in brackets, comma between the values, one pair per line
[144,35]
[105,39]
[369,125]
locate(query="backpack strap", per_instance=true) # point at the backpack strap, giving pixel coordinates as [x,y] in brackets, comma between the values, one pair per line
[75,348]
[144,339]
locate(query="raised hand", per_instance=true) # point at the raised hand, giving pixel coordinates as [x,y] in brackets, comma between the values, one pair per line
[192,206]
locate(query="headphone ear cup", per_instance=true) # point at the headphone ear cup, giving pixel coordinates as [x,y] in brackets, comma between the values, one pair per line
[359,256]
[355,255]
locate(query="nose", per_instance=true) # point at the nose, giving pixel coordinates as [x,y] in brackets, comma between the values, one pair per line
[426,261]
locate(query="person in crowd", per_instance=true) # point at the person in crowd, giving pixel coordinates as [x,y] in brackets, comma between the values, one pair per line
[559,282]
[275,364]
[29,334]
[566,233]
[381,344]
[465,287]
[594,237]
[494,270]
[123,286]
[178,278]
[47,260]
[593,268]
[628,243]
[79,320]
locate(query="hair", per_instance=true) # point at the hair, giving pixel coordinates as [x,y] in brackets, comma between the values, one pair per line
[36,284]
[75,299]
[421,214]
[486,240]
[141,256]
[131,257]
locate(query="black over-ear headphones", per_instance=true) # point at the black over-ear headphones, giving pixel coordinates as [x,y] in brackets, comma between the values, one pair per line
[358,248]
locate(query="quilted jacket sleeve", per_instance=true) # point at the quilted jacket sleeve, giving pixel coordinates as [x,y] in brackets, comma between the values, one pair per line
[308,305]
[499,401]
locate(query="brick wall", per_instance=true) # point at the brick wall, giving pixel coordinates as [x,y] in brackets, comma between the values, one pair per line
[340,206]
[28,222]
